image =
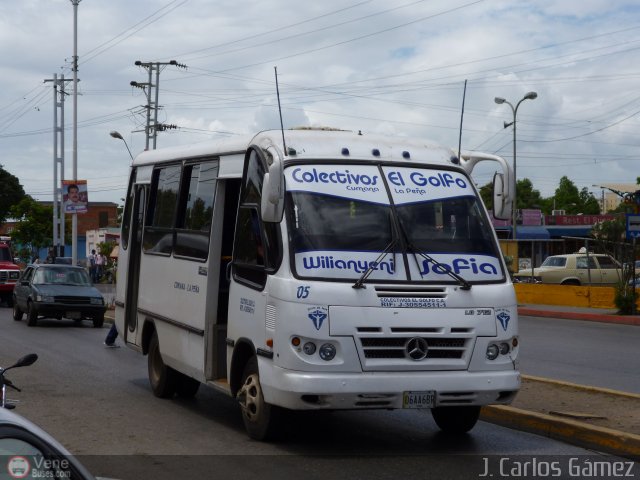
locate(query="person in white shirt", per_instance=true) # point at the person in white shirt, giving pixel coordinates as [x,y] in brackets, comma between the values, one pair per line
[100,262]
[92,265]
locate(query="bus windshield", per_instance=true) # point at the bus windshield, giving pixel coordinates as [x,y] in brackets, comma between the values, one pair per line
[429,222]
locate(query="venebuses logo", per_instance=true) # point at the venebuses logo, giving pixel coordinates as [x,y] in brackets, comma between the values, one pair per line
[18,467]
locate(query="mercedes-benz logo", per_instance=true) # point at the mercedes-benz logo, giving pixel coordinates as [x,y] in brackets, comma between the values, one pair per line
[416,348]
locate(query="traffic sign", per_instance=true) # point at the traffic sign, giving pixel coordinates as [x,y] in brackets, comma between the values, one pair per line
[633,226]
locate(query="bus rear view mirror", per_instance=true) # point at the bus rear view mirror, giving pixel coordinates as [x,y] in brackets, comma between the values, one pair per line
[501,199]
[272,203]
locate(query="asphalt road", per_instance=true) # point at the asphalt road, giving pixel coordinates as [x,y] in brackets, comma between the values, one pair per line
[588,353]
[98,403]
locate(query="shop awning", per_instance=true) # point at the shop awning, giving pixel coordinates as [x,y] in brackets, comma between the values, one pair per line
[529,232]
[559,232]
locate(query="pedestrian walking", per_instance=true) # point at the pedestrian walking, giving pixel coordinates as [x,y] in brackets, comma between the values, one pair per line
[92,265]
[100,261]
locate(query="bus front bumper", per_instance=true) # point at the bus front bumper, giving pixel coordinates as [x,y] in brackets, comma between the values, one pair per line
[348,391]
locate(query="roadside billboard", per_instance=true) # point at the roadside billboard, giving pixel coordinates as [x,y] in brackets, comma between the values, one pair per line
[74,196]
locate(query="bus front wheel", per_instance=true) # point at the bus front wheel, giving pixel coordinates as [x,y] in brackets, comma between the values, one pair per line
[260,418]
[456,419]
[163,379]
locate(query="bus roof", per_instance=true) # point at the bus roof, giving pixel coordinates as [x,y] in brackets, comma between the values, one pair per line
[313,144]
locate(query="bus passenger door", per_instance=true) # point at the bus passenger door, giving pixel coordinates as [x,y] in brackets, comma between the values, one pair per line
[130,333]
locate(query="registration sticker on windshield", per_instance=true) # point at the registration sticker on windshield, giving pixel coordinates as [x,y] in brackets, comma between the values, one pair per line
[412,302]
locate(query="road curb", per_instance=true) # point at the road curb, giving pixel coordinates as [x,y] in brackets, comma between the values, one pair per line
[591,317]
[585,388]
[602,439]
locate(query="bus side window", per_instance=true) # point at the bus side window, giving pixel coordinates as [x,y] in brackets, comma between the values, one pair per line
[158,233]
[258,247]
[195,210]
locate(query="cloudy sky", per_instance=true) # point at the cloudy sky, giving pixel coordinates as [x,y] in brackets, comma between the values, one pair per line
[395,67]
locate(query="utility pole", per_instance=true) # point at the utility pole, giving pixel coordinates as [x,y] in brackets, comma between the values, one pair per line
[74,216]
[58,161]
[152,90]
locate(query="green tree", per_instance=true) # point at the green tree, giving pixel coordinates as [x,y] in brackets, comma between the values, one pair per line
[486,194]
[11,193]
[106,248]
[34,227]
[588,203]
[527,196]
[610,234]
[567,196]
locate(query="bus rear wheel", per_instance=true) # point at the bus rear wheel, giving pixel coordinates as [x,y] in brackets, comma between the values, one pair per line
[163,379]
[260,418]
[186,387]
[456,419]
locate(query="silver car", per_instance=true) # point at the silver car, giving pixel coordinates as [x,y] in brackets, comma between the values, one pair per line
[31,452]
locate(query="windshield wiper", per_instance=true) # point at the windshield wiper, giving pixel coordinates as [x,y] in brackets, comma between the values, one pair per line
[464,284]
[360,282]
[394,241]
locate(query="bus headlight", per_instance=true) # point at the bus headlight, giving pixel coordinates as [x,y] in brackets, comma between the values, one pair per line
[309,348]
[492,351]
[327,352]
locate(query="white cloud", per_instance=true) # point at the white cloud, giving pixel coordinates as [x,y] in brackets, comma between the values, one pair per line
[396,68]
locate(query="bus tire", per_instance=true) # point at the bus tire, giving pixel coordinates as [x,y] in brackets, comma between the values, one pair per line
[163,379]
[186,387]
[260,418]
[456,419]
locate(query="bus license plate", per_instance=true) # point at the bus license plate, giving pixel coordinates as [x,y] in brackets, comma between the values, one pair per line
[419,399]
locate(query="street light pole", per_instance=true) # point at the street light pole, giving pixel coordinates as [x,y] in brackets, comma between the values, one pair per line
[499,101]
[74,216]
[602,197]
[116,134]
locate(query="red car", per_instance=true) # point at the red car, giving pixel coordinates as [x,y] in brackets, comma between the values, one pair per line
[9,274]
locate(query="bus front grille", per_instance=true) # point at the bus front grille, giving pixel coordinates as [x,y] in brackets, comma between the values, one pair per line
[399,348]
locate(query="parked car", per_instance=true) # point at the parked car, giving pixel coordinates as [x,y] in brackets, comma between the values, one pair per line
[635,266]
[56,291]
[574,269]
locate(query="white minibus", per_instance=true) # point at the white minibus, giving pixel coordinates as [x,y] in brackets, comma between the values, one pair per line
[316,269]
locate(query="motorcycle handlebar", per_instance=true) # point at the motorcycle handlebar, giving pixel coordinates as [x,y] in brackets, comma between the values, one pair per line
[5,382]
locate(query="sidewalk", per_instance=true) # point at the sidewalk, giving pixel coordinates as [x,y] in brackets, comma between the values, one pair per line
[600,419]
[578,313]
